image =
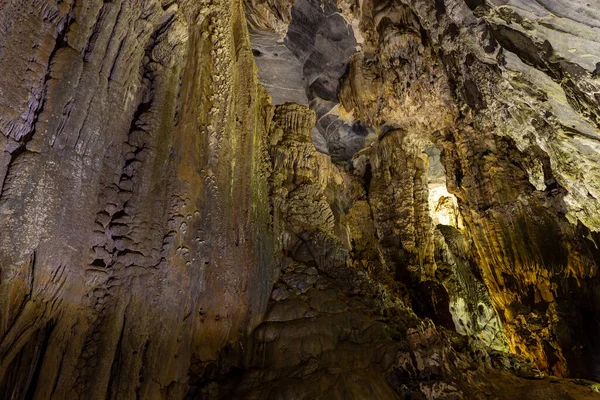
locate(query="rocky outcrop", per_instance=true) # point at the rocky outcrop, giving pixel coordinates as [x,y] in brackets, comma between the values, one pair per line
[317,342]
[520,204]
[470,305]
[508,92]
[304,64]
[495,87]
[300,174]
[166,232]
[527,257]
[133,193]
[336,330]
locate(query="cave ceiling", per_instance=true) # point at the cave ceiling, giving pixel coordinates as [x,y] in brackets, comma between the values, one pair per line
[528,68]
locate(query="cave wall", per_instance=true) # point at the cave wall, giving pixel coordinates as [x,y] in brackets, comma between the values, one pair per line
[337,325]
[524,141]
[132,196]
[539,268]
[165,232]
[508,91]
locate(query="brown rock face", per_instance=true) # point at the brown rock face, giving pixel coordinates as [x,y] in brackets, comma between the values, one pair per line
[424,226]
[497,102]
[531,258]
[335,327]
[133,193]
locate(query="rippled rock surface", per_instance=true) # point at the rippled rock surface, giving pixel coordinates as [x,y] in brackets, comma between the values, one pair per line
[309,199]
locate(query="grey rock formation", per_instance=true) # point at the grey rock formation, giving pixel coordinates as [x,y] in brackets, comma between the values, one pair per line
[279,70]
[321,41]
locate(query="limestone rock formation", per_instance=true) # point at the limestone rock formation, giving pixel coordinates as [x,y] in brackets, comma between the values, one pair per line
[515,89]
[133,186]
[299,199]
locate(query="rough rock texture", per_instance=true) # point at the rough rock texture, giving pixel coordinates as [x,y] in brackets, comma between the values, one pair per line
[279,71]
[300,174]
[167,233]
[333,331]
[304,64]
[473,313]
[531,257]
[133,193]
[318,343]
[508,91]
[514,113]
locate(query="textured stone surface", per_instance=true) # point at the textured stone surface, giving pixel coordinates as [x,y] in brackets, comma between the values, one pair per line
[167,233]
[279,71]
[305,64]
[508,91]
[516,118]
[339,333]
[132,195]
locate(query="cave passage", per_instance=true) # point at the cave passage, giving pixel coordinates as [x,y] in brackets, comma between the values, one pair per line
[299,199]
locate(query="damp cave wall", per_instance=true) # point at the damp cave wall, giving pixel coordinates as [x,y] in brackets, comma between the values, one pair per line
[136,245]
[134,232]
